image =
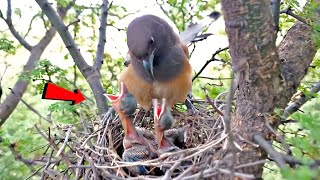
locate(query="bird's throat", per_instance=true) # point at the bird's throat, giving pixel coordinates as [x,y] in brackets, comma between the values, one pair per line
[129,129]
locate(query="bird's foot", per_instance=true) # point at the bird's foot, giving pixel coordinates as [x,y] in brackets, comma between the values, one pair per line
[109,116]
[190,107]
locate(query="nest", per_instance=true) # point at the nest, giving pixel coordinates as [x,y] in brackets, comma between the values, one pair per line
[97,155]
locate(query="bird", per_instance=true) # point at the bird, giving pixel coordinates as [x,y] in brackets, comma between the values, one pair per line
[163,120]
[136,147]
[177,136]
[158,61]
[159,65]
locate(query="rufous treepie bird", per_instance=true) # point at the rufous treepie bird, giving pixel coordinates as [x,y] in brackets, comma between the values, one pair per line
[159,65]
[136,147]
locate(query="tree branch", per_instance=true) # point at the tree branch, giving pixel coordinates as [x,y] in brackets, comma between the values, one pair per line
[209,61]
[289,12]
[280,159]
[293,107]
[91,74]
[12,100]
[64,33]
[296,52]
[14,32]
[102,35]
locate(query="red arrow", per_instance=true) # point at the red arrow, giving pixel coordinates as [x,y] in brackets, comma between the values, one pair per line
[54,92]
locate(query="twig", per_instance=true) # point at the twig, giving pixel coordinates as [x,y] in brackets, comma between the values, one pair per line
[250,164]
[65,141]
[47,165]
[31,108]
[169,172]
[209,61]
[293,107]
[74,22]
[227,121]
[30,25]
[185,172]
[212,104]
[34,173]
[54,146]
[280,159]
[210,78]
[102,35]
[93,168]
[289,12]
[241,175]
[278,137]
[14,32]
[17,156]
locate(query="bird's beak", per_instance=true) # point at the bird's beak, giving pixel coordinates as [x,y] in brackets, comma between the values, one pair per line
[115,99]
[148,64]
[158,110]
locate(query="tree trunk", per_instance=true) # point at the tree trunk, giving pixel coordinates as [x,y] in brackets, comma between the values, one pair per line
[260,75]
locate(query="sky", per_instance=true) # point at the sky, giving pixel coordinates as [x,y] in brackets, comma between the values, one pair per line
[115,46]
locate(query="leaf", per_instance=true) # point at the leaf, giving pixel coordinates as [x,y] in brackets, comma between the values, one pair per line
[17,11]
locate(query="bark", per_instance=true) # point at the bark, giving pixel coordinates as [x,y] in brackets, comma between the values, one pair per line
[11,101]
[296,52]
[264,82]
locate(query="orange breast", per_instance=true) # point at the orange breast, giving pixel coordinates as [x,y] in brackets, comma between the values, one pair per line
[176,90]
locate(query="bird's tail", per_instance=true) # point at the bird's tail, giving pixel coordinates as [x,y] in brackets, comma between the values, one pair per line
[192,31]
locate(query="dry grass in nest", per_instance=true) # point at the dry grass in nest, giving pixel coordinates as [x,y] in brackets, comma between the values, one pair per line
[97,155]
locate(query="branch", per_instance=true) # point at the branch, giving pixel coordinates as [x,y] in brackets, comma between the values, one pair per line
[296,52]
[12,100]
[64,33]
[14,32]
[31,108]
[209,61]
[17,156]
[280,159]
[293,107]
[91,74]
[102,35]
[54,146]
[289,12]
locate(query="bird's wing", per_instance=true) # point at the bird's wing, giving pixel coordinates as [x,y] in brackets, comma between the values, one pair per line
[190,34]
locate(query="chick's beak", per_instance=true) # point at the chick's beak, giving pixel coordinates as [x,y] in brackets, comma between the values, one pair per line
[148,64]
[116,99]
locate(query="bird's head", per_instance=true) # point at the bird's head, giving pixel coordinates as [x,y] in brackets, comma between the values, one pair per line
[148,37]
[124,103]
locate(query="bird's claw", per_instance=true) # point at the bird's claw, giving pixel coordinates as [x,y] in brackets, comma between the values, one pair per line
[109,116]
[190,107]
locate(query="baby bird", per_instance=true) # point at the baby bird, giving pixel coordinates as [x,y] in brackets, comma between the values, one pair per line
[163,121]
[176,135]
[136,147]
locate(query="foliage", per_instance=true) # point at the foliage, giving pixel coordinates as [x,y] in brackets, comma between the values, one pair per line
[6,45]
[190,11]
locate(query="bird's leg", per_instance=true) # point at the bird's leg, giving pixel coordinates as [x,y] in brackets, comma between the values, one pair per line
[109,116]
[190,107]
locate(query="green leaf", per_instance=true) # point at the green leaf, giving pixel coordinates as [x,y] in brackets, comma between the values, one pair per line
[17,11]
